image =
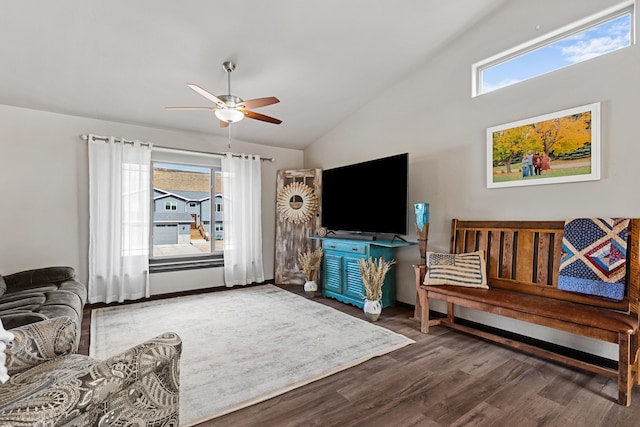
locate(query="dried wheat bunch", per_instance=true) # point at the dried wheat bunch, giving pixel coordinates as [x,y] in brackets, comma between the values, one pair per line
[310,262]
[373,271]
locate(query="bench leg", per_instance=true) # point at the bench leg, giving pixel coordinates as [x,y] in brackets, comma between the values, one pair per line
[625,369]
[417,310]
[450,312]
[635,354]
[422,302]
[424,312]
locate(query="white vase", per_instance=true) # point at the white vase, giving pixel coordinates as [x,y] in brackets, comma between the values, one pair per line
[310,288]
[372,309]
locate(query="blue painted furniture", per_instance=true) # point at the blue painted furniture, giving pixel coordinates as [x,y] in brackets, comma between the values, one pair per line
[341,277]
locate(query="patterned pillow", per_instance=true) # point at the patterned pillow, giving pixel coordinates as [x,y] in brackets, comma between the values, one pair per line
[467,269]
[3,286]
[39,342]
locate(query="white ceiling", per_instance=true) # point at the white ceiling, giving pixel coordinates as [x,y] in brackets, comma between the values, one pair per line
[124,61]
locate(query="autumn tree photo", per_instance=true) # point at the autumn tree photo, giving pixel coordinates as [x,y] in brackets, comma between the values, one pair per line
[564,134]
[559,136]
[563,146]
[509,143]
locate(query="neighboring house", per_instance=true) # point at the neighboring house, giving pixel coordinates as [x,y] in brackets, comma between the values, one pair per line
[217,217]
[170,228]
[176,212]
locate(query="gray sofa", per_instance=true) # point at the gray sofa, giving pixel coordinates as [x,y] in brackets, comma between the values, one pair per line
[45,293]
[50,386]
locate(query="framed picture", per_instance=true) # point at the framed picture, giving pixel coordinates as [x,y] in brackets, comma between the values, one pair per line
[553,148]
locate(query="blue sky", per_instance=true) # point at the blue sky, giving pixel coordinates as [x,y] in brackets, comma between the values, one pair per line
[604,38]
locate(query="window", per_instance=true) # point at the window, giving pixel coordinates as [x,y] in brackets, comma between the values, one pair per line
[594,36]
[183,232]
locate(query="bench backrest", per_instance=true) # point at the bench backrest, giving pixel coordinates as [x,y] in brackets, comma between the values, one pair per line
[525,256]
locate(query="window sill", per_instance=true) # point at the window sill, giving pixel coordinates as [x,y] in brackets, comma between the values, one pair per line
[166,265]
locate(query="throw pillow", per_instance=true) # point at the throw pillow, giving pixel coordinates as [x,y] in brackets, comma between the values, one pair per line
[468,269]
[3,286]
[5,338]
[41,341]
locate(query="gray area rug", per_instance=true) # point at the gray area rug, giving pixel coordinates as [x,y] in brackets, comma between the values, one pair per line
[245,345]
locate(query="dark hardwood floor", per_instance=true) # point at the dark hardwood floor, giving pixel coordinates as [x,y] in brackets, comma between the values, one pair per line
[445,379]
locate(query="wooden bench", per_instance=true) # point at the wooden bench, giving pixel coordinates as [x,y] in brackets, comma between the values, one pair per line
[523,259]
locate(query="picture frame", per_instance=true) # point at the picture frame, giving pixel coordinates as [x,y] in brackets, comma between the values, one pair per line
[553,148]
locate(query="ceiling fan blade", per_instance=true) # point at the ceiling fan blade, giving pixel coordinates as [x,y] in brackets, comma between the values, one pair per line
[262,117]
[223,124]
[206,94]
[258,102]
[189,108]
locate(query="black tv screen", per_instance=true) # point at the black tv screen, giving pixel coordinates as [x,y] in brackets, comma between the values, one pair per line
[368,197]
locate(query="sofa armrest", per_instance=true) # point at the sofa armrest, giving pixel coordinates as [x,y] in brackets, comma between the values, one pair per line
[39,342]
[30,278]
[140,360]
[142,383]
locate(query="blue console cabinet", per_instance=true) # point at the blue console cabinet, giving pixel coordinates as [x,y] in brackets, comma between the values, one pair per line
[341,277]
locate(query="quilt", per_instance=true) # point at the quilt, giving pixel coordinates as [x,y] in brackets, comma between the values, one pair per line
[594,257]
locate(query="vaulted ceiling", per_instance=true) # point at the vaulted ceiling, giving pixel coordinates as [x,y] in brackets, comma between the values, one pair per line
[124,61]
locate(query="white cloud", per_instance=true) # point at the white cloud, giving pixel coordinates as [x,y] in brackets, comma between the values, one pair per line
[597,41]
[590,48]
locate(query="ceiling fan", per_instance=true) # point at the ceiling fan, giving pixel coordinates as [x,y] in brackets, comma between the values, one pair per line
[230,108]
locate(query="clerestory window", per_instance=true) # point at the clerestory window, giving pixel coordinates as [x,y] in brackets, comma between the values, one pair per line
[597,35]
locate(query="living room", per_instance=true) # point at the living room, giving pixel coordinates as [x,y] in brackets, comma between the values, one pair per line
[423,106]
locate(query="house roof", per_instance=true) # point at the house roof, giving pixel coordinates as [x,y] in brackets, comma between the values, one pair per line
[172,217]
[188,196]
[199,196]
[324,60]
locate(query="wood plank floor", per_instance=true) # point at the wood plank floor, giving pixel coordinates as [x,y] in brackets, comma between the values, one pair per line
[445,379]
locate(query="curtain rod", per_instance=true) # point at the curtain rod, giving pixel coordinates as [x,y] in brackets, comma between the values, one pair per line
[126,141]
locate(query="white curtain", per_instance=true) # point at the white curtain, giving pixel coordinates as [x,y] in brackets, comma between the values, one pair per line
[119,209]
[242,216]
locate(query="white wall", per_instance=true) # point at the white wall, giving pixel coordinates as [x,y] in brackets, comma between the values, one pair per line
[44,191]
[432,116]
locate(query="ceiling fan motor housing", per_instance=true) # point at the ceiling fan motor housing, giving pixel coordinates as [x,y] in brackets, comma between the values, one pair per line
[231,101]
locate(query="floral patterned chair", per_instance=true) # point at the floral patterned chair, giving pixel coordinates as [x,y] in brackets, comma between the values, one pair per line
[51,386]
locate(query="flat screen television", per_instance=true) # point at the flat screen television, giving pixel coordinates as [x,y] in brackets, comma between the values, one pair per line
[367,198]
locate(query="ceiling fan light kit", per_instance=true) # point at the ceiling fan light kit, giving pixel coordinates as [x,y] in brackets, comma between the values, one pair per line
[230,108]
[229,115]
